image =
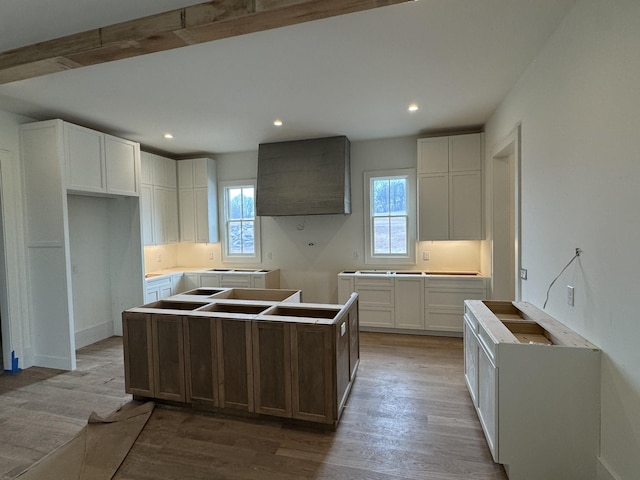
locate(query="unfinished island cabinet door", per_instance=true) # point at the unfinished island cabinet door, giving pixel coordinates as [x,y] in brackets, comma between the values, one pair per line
[138,358]
[168,357]
[235,365]
[201,354]
[313,383]
[272,368]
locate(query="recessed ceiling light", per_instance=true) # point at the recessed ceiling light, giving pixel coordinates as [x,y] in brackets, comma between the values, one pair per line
[168,136]
[277,122]
[414,107]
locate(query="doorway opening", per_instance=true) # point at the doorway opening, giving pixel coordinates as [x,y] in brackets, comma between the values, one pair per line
[506,283]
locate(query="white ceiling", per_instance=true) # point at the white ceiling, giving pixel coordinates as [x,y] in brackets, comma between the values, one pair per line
[352,75]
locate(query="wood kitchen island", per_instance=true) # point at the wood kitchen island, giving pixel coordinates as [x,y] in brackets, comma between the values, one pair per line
[251,352]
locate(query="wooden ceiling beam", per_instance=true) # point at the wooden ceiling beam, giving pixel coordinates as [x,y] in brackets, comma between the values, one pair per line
[165,31]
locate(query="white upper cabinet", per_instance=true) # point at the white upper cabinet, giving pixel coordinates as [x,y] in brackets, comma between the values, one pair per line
[197,192]
[99,163]
[450,187]
[159,200]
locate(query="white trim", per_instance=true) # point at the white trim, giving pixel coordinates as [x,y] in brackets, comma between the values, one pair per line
[510,144]
[410,257]
[94,334]
[226,258]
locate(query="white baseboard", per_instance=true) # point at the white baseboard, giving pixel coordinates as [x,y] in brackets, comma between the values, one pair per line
[49,361]
[605,472]
[94,334]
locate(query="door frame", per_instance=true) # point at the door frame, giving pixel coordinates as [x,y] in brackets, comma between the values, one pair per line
[509,147]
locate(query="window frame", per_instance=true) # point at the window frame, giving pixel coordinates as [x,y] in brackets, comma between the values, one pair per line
[256,257]
[391,259]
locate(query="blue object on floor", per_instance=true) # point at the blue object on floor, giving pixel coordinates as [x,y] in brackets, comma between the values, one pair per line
[14,364]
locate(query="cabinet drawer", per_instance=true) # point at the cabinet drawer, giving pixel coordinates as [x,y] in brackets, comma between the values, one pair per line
[451,298]
[377,280]
[473,283]
[376,317]
[443,320]
[370,296]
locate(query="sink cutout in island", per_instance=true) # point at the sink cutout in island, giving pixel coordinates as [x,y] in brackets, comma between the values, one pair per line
[234,308]
[173,305]
[304,312]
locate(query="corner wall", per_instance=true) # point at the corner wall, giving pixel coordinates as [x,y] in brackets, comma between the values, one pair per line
[578,105]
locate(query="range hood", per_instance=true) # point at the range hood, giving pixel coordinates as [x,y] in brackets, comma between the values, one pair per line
[304,177]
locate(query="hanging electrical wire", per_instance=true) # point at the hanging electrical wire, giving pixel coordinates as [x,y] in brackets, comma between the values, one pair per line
[578,252]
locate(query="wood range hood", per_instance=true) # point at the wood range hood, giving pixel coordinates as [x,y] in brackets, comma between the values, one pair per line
[200,23]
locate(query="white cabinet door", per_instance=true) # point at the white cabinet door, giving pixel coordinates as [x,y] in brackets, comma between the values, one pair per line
[209,280]
[433,208]
[122,162]
[465,152]
[201,199]
[197,191]
[146,168]
[409,302]
[258,281]
[171,216]
[187,215]
[84,153]
[185,173]
[152,294]
[177,283]
[465,206]
[159,216]
[433,155]
[471,347]
[146,211]
[488,399]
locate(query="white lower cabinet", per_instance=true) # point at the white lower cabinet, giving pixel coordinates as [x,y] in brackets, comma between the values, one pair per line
[377,300]
[411,300]
[535,385]
[444,300]
[157,289]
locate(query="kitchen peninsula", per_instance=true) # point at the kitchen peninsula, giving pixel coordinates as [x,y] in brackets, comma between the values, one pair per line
[246,351]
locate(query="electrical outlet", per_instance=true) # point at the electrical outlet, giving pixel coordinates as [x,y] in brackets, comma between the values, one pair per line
[211,256]
[159,257]
[425,255]
[570,295]
[523,273]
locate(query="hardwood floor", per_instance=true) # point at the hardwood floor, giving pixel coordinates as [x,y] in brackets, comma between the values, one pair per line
[409,416]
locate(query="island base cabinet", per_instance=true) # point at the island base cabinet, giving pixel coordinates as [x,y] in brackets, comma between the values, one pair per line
[312,372]
[201,352]
[168,357]
[235,364]
[138,358]
[271,367]
[296,367]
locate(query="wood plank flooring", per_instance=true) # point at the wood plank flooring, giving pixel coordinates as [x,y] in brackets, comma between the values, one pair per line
[409,416]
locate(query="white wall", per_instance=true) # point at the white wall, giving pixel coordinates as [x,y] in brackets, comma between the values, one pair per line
[578,104]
